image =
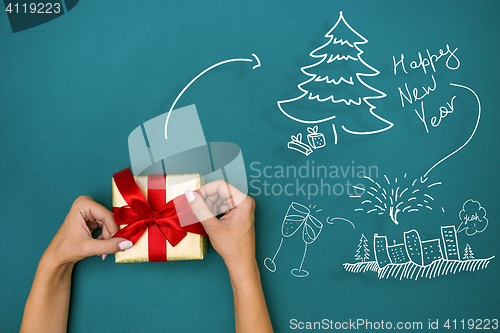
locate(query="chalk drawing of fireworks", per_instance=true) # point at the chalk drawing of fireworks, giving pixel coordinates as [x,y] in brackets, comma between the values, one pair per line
[393,198]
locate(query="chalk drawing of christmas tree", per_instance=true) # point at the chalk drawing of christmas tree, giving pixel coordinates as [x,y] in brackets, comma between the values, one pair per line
[362,253]
[336,83]
[468,254]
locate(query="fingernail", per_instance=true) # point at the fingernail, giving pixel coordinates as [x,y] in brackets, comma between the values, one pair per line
[190,196]
[104,256]
[125,245]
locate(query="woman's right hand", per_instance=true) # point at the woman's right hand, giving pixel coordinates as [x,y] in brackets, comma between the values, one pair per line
[233,237]
[233,234]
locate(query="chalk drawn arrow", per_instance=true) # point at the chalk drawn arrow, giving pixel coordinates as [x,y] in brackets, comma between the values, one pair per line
[424,177]
[206,70]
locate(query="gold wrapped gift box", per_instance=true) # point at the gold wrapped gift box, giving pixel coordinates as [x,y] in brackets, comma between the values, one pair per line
[192,247]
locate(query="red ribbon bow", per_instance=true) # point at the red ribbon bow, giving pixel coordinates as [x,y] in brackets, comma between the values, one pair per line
[159,218]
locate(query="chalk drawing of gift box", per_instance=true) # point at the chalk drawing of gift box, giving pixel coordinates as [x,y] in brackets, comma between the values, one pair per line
[297,145]
[316,140]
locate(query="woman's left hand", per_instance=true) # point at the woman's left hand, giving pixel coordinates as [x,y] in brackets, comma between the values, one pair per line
[74,240]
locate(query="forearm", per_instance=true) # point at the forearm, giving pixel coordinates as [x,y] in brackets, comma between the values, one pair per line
[251,314]
[47,306]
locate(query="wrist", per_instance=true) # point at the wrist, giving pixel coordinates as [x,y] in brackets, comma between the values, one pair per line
[242,261]
[243,270]
[54,266]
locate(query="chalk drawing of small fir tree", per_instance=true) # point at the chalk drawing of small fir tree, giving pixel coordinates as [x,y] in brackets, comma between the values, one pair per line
[468,254]
[362,253]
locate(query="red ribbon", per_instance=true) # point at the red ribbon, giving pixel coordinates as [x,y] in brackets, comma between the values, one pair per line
[159,218]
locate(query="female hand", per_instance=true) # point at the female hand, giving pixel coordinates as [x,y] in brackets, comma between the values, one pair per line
[74,240]
[47,306]
[233,235]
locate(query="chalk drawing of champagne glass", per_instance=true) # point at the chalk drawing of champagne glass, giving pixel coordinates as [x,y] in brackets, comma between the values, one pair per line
[312,228]
[297,216]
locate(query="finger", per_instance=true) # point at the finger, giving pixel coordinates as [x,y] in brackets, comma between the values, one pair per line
[218,202]
[92,211]
[215,210]
[210,205]
[106,234]
[225,208]
[106,246]
[200,209]
[223,190]
[93,225]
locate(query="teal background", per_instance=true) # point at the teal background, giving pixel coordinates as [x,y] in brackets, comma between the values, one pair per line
[72,90]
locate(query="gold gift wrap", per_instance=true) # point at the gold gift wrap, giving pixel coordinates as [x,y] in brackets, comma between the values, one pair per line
[191,247]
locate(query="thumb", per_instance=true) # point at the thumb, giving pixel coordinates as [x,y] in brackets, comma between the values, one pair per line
[107,246]
[200,209]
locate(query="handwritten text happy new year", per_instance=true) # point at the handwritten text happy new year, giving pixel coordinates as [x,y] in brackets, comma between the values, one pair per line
[426,63]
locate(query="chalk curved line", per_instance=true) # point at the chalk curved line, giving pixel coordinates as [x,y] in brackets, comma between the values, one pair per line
[197,76]
[369,179]
[371,132]
[339,218]
[258,61]
[429,196]
[334,133]
[473,132]
[297,119]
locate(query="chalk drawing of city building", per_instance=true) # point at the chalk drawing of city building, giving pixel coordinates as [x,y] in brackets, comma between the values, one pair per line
[415,258]
[450,242]
[413,249]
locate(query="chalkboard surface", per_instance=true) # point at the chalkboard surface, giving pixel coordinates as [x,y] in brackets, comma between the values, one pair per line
[368,131]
